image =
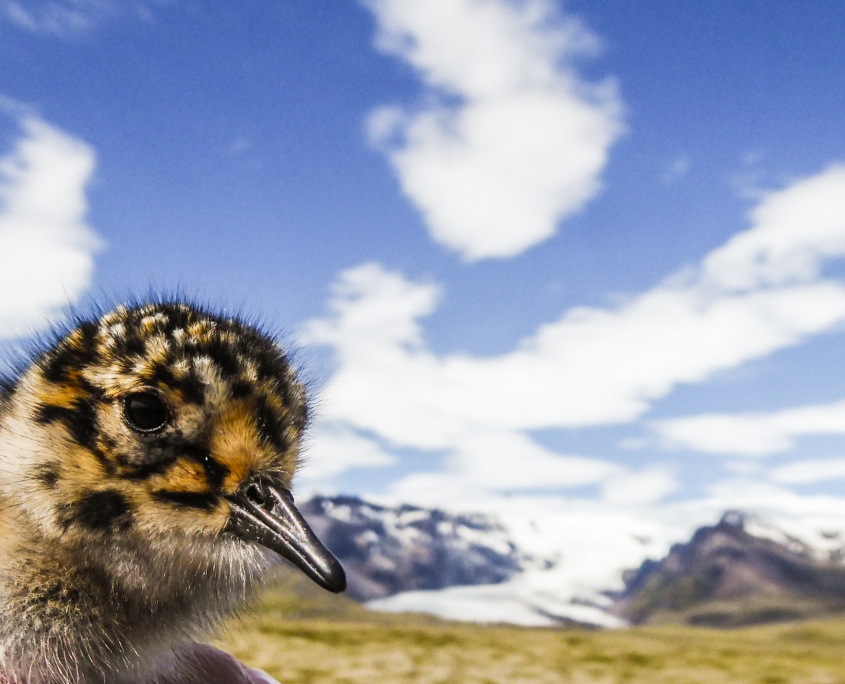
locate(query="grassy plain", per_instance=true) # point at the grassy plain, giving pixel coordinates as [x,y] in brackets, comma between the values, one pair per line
[301,636]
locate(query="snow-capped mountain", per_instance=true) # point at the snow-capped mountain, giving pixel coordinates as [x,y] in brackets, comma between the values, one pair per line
[727,576]
[465,566]
[567,565]
[386,550]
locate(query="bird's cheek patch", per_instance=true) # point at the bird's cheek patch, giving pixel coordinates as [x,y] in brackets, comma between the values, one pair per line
[182,498]
[97,511]
[184,485]
[183,475]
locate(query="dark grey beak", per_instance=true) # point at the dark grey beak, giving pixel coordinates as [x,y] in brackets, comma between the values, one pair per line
[266,515]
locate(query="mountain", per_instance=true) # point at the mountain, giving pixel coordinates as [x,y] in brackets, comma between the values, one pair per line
[726,576]
[457,566]
[387,550]
[564,570]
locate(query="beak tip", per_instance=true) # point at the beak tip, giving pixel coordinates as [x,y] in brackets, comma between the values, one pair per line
[338,584]
[332,578]
[335,588]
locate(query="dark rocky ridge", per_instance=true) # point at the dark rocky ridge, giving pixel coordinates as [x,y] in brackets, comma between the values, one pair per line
[724,576]
[387,550]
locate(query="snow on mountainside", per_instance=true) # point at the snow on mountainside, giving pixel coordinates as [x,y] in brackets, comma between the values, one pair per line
[564,566]
[390,550]
[464,566]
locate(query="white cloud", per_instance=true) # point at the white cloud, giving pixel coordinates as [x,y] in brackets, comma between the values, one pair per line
[593,366]
[69,18]
[760,292]
[644,487]
[802,516]
[240,145]
[676,170]
[749,181]
[334,448]
[507,461]
[752,434]
[511,140]
[499,462]
[808,472]
[795,230]
[54,18]
[46,247]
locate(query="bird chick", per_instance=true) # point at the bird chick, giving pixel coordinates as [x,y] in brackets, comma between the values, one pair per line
[146,461]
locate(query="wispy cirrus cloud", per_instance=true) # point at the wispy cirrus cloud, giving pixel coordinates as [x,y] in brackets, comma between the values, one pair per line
[751,434]
[642,487]
[761,291]
[810,471]
[69,18]
[46,246]
[676,170]
[511,139]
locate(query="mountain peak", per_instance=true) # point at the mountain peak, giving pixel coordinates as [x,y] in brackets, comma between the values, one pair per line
[387,550]
[725,576]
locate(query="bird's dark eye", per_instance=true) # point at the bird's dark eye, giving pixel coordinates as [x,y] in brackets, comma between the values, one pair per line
[145,411]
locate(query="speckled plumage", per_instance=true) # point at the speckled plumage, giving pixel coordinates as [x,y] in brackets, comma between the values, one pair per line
[113,541]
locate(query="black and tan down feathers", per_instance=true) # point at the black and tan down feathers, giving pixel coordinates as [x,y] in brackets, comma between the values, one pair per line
[123,450]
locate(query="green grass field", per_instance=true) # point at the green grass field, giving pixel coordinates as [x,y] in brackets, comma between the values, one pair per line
[299,635]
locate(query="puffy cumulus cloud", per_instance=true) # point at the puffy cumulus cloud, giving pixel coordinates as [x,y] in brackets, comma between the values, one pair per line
[46,247]
[593,366]
[511,139]
[373,311]
[751,434]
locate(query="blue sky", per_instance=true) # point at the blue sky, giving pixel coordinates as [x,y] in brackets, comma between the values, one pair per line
[585,252]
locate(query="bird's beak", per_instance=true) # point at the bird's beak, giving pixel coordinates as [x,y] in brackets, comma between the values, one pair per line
[266,515]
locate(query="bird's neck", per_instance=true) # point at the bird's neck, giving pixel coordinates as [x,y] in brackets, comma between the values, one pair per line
[69,613]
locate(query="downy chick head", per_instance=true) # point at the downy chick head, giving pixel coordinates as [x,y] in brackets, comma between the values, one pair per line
[166,429]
